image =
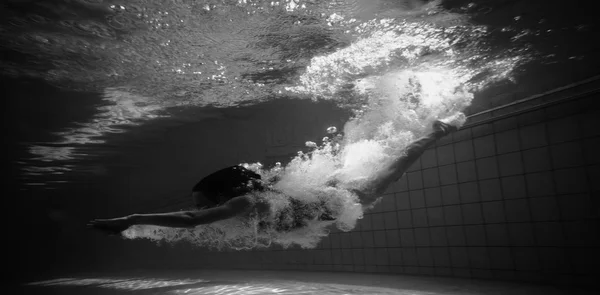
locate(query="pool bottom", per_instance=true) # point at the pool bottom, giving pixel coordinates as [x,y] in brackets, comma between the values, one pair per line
[270,282]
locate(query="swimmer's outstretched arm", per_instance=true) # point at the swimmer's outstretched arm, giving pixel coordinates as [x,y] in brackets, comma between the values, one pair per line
[179,219]
[396,169]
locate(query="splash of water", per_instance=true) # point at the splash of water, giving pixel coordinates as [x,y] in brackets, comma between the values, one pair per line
[396,115]
[398,78]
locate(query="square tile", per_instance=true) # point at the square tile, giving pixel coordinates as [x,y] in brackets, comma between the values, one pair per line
[526,258]
[554,260]
[368,240]
[533,136]
[591,146]
[377,221]
[390,220]
[417,199]
[540,184]
[493,212]
[517,210]
[415,180]
[581,262]
[422,237]
[336,241]
[490,189]
[510,164]
[450,194]
[549,234]
[431,177]
[459,257]
[537,159]
[424,256]
[479,257]
[497,234]
[448,174]
[514,187]
[472,213]
[409,257]
[438,237]
[356,238]
[456,236]
[347,256]
[392,238]
[567,154]
[379,238]
[469,192]
[404,219]
[382,256]
[571,180]
[507,141]
[407,238]
[337,257]
[445,155]
[487,168]
[484,146]
[441,257]
[346,239]
[475,235]
[500,258]
[395,256]
[544,209]
[419,217]
[521,234]
[370,256]
[453,215]
[575,207]
[402,201]
[429,159]
[433,197]
[581,233]
[466,171]
[435,216]
[563,129]
[463,151]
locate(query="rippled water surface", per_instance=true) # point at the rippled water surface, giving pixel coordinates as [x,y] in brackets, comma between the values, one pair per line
[151,59]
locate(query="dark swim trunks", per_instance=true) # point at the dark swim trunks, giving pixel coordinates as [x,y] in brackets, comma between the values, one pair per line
[228,183]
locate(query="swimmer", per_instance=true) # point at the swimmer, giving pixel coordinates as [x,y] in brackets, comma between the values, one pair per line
[231,192]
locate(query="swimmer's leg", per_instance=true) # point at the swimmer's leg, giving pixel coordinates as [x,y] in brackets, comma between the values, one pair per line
[393,171]
[180,219]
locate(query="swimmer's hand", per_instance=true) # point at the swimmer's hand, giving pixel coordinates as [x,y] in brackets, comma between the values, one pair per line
[111,226]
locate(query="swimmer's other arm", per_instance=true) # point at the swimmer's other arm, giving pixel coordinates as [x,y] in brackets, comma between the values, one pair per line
[179,219]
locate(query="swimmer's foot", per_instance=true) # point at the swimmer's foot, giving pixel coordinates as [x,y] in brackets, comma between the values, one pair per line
[443,129]
[110,226]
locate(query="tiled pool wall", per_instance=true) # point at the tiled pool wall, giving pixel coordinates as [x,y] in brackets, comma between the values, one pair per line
[511,196]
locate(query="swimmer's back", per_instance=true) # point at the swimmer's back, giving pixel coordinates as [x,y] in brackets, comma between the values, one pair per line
[228,183]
